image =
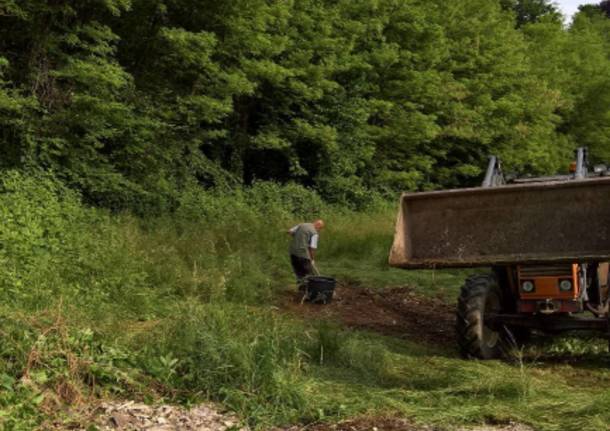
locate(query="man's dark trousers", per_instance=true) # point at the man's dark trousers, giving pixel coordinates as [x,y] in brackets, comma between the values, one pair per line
[302,267]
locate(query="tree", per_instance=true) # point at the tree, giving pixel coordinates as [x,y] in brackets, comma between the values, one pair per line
[595,9]
[489,102]
[530,11]
[589,61]
[604,6]
[574,64]
[14,128]
[132,101]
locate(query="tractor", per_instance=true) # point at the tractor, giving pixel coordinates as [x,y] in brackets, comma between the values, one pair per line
[545,244]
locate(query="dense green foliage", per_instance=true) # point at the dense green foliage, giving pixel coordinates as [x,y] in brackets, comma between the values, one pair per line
[531,11]
[133,101]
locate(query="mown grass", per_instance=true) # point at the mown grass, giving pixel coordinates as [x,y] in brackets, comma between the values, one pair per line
[436,387]
[182,308]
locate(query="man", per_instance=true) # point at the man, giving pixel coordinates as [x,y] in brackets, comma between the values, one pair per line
[303,248]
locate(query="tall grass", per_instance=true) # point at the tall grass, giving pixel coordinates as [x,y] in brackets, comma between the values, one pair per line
[183,308]
[107,302]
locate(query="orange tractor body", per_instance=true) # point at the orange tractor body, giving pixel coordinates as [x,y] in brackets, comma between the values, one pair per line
[546,241]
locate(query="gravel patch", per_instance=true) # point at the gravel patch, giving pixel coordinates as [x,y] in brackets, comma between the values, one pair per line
[132,416]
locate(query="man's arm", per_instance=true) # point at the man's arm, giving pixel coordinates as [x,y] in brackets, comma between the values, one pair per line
[293,230]
[313,246]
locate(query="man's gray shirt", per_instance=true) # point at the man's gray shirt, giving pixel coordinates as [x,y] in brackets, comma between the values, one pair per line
[304,237]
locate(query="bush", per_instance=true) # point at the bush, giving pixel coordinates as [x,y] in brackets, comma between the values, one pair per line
[291,200]
[37,213]
[41,222]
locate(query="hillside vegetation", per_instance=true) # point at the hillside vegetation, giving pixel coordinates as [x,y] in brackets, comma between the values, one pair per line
[154,152]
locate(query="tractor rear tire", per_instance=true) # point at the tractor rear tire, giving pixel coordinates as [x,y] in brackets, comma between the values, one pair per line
[480,294]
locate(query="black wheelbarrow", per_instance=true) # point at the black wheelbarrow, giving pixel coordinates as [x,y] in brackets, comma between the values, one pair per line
[319,289]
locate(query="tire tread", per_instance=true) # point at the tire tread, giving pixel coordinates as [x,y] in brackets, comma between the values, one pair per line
[474,293]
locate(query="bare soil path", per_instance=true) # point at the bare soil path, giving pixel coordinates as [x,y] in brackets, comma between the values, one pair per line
[398,312]
[397,424]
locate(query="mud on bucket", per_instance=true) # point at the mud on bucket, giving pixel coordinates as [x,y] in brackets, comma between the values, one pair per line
[320,290]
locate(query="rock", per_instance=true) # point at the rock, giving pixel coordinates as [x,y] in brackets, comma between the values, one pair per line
[120,420]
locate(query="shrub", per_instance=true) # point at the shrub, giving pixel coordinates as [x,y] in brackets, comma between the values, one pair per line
[37,213]
[41,222]
[284,201]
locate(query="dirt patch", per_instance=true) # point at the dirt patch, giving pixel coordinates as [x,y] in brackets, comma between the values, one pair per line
[372,424]
[510,427]
[396,424]
[397,312]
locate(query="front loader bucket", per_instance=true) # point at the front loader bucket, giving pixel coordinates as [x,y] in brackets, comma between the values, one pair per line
[549,222]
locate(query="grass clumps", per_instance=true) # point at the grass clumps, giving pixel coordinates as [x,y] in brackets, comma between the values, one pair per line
[108,303]
[183,307]
[243,357]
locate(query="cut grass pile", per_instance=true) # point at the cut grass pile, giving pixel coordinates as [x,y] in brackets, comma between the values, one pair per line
[434,386]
